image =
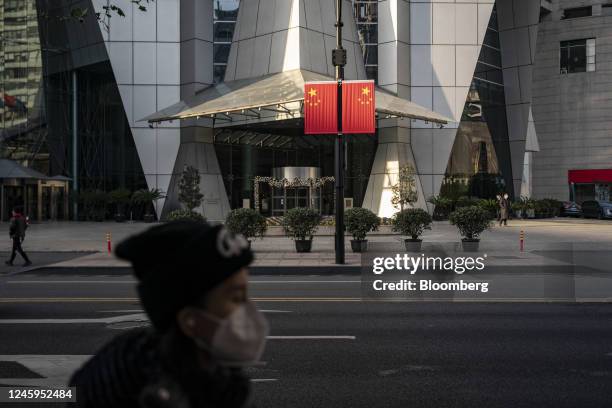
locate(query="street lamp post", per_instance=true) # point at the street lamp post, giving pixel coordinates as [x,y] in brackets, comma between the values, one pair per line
[339,61]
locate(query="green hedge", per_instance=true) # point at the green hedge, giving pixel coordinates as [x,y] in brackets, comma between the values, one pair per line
[186,215]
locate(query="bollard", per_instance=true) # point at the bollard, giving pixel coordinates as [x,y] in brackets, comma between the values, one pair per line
[522,240]
[108,242]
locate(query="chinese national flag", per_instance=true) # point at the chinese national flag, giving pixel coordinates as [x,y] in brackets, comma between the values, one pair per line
[320,107]
[358,107]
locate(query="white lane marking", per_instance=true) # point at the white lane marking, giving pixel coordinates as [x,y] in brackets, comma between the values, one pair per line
[141,311]
[43,282]
[137,317]
[311,337]
[21,282]
[56,369]
[307,281]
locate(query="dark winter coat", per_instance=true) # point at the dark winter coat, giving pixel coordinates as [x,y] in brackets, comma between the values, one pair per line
[140,369]
[504,208]
[18,227]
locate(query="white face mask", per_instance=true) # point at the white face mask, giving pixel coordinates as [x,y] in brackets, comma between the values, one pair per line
[240,338]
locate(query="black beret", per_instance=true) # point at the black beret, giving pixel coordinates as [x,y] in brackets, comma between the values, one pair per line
[177,263]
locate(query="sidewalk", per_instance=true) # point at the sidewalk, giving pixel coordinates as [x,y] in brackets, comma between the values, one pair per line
[277,251]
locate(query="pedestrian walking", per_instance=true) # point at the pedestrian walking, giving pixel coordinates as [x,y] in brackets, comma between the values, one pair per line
[17,231]
[504,210]
[192,283]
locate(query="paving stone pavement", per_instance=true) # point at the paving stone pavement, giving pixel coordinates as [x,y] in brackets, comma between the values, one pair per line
[502,243]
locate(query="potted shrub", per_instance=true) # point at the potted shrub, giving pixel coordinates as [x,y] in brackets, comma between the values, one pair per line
[146,198]
[358,222]
[301,224]
[442,207]
[471,222]
[490,205]
[540,208]
[519,209]
[412,222]
[554,206]
[186,215]
[247,222]
[119,197]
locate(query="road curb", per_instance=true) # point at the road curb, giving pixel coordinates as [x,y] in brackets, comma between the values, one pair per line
[253,270]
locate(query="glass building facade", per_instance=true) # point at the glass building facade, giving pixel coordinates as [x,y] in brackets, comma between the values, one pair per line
[52,72]
[480,163]
[49,67]
[23,135]
[79,84]
[366,17]
[224,21]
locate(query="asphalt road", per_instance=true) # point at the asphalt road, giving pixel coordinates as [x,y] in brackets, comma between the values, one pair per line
[328,349]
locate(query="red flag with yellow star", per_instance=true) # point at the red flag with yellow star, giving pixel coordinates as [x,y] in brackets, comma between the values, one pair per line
[320,107]
[358,107]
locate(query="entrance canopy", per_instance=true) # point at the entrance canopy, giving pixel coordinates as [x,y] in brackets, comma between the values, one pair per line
[274,97]
[10,169]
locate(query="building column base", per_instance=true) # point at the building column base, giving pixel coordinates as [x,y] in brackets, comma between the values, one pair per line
[393,152]
[197,150]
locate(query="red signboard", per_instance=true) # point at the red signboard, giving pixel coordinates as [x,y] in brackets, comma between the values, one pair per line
[590,176]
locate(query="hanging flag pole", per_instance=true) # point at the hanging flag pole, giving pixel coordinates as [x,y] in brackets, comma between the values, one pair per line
[336,107]
[339,61]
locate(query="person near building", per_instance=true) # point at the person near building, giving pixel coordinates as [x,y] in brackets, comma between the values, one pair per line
[17,230]
[192,283]
[504,210]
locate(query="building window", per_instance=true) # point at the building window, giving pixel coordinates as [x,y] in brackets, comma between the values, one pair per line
[577,12]
[366,17]
[226,13]
[577,56]
[606,10]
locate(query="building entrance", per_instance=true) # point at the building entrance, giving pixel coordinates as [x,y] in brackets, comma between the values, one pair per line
[286,198]
[297,189]
[290,187]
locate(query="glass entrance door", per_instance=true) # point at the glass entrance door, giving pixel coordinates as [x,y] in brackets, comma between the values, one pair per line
[284,199]
[297,197]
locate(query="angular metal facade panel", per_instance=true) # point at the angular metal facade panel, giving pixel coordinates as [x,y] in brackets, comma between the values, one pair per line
[431,49]
[518,23]
[301,36]
[144,51]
